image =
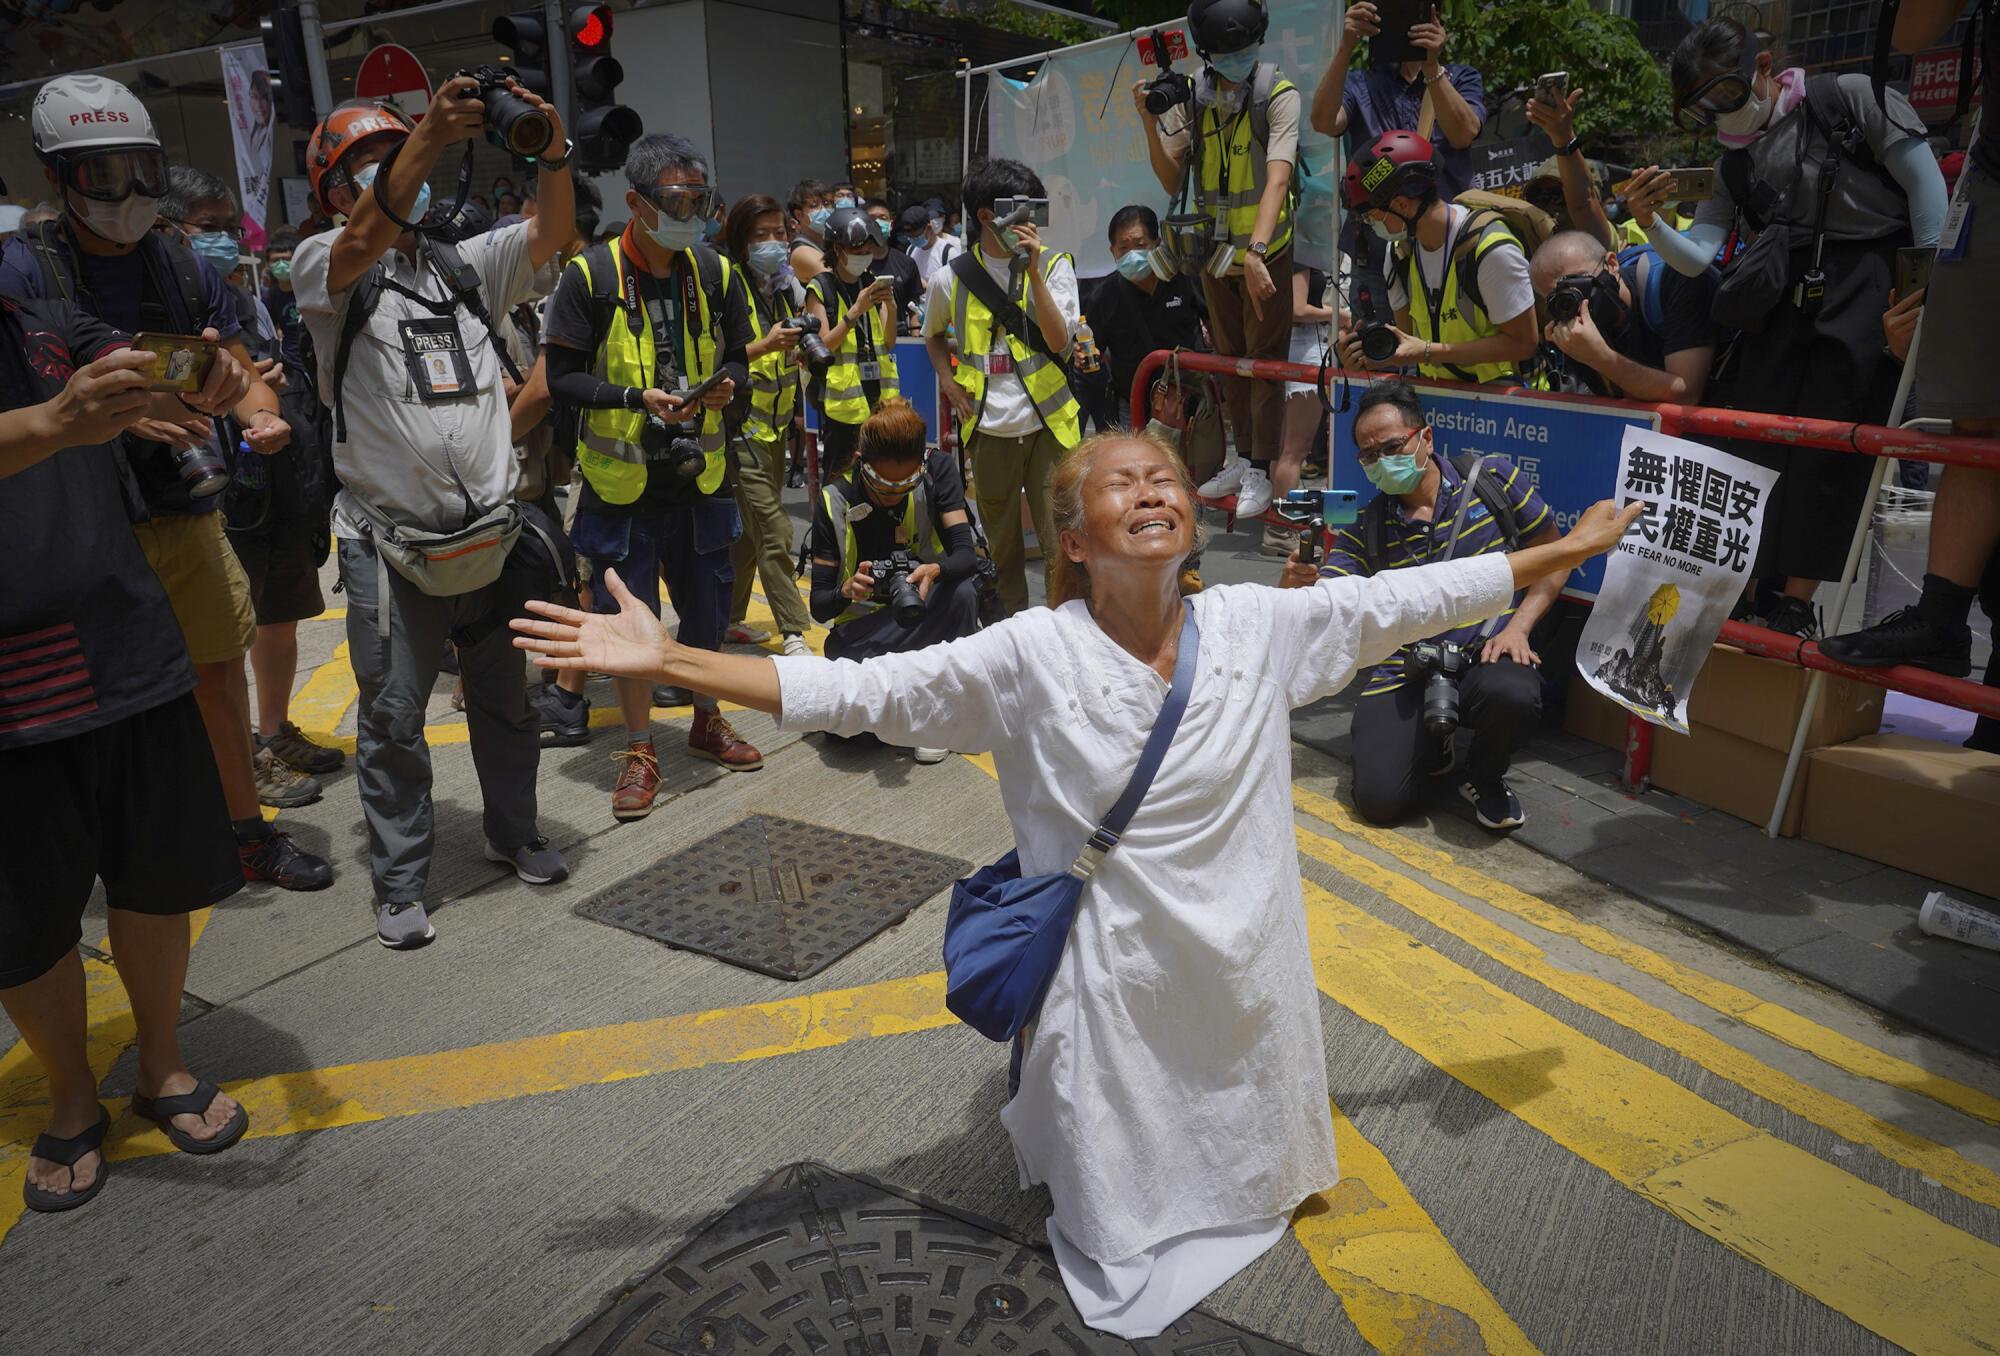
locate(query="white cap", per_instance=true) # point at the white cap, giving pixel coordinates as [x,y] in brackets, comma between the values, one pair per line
[85,112]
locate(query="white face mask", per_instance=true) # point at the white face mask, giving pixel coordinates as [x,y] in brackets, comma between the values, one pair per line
[1375,225]
[853,266]
[124,222]
[1748,121]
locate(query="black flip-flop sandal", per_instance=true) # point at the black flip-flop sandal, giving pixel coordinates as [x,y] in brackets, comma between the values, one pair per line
[67,1152]
[162,1110]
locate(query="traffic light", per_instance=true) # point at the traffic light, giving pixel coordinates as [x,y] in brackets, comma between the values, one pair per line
[602,128]
[285,58]
[527,37]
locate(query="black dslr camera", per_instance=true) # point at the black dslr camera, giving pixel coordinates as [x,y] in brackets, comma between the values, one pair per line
[1441,663]
[1374,318]
[812,349]
[512,123]
[670,444]
[1168,89]
[893,587]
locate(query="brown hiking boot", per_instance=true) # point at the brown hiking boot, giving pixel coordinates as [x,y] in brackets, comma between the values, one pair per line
[713,738]
[638,781]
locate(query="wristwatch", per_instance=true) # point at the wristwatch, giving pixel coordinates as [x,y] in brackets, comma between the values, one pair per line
[1575,145]
[1260,248]
[569,149]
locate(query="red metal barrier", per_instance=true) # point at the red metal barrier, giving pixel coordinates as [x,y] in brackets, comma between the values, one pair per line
[1699,421]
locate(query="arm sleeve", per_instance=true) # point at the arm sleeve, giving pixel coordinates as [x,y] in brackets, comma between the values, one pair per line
[1911,164]
[959,559]
[1531,511]
[1321,636]
[1346,555]
[1689,253]
[948,493]
[572,382]
[956,695]
[937,306]
[506,273]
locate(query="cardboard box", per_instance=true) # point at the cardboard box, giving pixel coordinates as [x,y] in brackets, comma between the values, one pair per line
[1931,809]
[1760,699]
[1718,769]
[1592,715]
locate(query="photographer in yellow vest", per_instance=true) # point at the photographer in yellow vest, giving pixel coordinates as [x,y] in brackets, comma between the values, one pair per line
[1012,305]
[857,319]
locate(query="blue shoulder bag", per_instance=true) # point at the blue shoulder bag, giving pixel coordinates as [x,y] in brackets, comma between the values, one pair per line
[1005,934]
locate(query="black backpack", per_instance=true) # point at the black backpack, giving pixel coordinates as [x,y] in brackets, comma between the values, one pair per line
[1375,518]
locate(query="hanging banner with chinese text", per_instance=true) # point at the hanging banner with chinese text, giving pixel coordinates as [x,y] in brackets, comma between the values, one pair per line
[1076,126]
[246,81]
[1670,584]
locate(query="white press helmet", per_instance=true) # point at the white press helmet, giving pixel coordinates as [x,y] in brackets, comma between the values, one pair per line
[74,113]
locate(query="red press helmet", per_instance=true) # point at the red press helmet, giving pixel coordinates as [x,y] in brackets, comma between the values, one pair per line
[338,136]
[1394,165]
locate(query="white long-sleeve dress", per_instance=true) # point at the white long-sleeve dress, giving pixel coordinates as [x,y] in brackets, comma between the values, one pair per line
[1174,1094]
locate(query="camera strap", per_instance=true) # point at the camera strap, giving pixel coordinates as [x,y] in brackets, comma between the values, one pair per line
[1007,314]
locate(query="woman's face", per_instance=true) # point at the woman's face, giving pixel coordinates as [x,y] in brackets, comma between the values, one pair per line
[768,226]
[1136,510]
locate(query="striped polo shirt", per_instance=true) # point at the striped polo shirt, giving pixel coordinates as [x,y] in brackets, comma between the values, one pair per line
[1405,543]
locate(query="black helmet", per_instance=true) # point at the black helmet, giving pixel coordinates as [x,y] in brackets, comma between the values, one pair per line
[1223,26]
[850,228]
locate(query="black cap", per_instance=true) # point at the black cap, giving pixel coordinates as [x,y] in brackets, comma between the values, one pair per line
[914,220]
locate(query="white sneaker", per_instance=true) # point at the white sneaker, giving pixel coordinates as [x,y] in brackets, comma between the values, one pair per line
[1254,495]
[925,755]
[796,647]
[1224,482]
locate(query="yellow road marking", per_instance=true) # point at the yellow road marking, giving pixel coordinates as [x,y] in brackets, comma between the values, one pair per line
[320,704]
[1664,1029]
[412,1085]
[1841,1051]
[1887,1265]
[1403,1285]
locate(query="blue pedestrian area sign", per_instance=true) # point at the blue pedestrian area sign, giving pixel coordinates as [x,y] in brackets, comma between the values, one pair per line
[1569,448]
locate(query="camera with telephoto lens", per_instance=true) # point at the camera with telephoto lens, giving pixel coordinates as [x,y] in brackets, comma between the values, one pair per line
[202,470]
[1375,319]
[1168,89]
[512,123]
[1441,663]
[893,587]
[668,444]
[812,349]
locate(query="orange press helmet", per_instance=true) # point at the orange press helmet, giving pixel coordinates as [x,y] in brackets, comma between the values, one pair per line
[340,134]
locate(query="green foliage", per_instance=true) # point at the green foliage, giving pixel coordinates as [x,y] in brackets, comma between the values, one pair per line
[1626,96]
[1130,14]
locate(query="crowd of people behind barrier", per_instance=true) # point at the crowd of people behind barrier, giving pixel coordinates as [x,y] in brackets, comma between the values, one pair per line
[505,406]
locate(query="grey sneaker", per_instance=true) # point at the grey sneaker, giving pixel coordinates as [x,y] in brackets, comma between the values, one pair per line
[279,786]
[796,647]
[402,925]
[536,863]
[925,754]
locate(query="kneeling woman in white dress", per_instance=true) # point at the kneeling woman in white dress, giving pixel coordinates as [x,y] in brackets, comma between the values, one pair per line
[1173,1095]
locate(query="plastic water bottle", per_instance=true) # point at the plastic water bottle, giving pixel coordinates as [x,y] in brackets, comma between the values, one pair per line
[1088,359]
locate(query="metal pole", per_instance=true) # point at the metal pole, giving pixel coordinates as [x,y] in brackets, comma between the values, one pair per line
[322,87]
[1034,57]
[562,80]
[1854,549]
[965,161]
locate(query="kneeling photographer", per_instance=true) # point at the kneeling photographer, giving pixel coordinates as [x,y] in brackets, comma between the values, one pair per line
[892,555]
[401,315]
[1483,676]
[648,339]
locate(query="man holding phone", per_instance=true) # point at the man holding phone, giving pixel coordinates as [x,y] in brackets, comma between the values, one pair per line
[100,153]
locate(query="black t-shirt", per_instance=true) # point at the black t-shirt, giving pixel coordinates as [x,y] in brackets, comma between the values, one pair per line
[87,636]
[284,309]
[1128,323]
[909,282]
[1685,306]
[875,534]
[573,320]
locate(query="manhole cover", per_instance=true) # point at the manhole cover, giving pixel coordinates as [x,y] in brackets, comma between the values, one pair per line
[774,895]
[817,1263]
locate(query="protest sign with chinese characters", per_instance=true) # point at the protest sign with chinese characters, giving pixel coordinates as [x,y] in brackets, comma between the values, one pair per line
[1669,585]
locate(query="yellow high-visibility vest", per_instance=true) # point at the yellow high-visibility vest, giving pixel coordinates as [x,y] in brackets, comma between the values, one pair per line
[1047,382]
[1229,175]
[845,398]
[1458,320]
[919,530]
[774,381]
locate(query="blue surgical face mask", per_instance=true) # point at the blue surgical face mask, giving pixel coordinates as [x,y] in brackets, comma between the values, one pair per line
[1397,473]
[769,256]
[218,247]
[818,217]
[881,227]
[1235,67]
[711,229]
[673,235]
[1135,264]
[366,180]
[843,201]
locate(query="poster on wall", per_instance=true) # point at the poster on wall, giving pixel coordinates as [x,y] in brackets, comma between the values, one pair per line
[246,83]
[1076,126]
[1670,583]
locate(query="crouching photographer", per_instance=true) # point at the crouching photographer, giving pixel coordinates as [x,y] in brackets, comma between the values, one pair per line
[893,563]
[1629,325]
[1482,676]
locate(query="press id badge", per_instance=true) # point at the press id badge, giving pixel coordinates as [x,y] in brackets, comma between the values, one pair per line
[999,364]
[870,371]
[437,359]
[1956,234]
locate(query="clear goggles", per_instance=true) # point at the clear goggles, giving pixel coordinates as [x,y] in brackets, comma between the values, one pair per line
[1718,96]
[115,175]
[682,202]
[883,485]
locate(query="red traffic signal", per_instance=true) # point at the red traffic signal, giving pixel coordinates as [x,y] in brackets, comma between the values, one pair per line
[590,27]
